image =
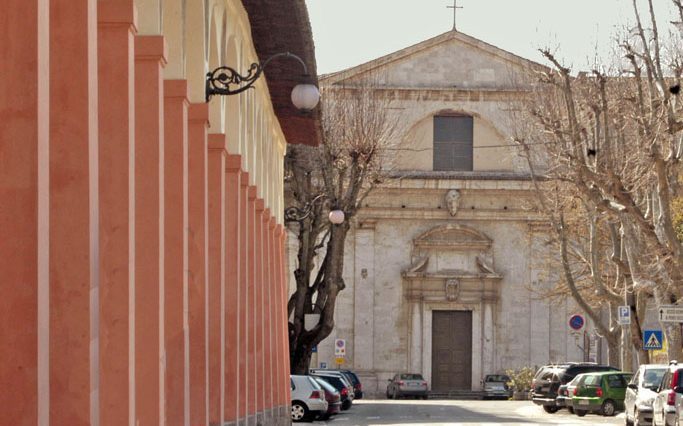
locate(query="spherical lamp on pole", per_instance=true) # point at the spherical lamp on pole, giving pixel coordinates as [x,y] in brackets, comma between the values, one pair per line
[336,217]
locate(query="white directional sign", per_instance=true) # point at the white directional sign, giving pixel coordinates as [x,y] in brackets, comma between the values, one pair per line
[624,315]
[671,313]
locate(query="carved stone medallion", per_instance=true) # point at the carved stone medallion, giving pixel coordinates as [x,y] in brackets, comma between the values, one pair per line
[452,289]
[452,200]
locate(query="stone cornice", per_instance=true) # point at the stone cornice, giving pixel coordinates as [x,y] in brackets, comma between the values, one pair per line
[434,214]
[475,175]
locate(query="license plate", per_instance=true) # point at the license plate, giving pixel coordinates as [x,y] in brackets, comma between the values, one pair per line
[583,402]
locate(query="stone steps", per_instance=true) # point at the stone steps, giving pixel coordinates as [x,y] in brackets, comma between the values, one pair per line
[457,394]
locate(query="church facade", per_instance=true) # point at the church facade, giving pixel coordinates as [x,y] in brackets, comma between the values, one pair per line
[445,262]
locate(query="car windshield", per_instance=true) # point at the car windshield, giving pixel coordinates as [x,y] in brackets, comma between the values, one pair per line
[411,377]
[497,378]
[653,377]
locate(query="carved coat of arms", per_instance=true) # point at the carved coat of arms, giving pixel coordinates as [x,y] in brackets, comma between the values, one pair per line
[452,289]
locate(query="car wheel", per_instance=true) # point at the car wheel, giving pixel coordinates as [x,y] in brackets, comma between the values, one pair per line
[571,410]
[388,395]
[580,413]
[608,408]
[550,409]
[299,411]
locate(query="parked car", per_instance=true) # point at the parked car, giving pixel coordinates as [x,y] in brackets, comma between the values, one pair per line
[565,393]
[666,408]
[341,384]
[641,393]
[600,392]
[407,384]
[549,378]
[496,386]
[355,381]
[332,397]
[308,398]
[349,375]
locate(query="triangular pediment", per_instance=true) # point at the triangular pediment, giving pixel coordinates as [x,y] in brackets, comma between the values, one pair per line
[451,60]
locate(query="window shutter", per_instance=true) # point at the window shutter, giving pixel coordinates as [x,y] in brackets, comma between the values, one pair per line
[453,143]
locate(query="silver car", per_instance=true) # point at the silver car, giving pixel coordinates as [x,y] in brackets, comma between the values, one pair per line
[666,408]
[407,384]
[496,386]
[308,398]
[641,393]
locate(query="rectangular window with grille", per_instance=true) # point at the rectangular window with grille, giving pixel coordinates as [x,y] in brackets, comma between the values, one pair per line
[453,143]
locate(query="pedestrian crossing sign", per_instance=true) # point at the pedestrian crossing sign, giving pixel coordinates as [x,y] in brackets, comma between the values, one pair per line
[652,339]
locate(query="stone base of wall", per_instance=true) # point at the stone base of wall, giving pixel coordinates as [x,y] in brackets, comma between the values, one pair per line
[278,416]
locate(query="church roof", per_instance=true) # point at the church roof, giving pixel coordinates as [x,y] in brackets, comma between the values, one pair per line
[345,74]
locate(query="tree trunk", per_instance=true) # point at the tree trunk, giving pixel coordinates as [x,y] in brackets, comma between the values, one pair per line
[614,348]
[302,341]
[626,350]
[673,340]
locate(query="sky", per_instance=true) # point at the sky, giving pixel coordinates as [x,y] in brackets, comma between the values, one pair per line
[350,32]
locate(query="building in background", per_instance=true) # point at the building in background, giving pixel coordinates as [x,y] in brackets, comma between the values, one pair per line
[142,241]
[446,263]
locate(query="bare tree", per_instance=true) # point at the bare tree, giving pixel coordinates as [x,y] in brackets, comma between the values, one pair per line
[358,127]
[614,138]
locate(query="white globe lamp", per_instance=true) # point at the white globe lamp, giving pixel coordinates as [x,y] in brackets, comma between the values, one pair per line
[305,97]
[336,217]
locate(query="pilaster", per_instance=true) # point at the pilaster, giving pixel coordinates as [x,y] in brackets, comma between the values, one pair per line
[260,307]
[216,276]
[234,290]
[175,248]
[116,73]
[25,217]
[254,362]
[150,57]
[364,296]
[198,123]
[268,348]
[245,309]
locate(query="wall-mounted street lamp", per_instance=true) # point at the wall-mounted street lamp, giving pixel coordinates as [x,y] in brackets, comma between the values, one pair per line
[305,96]
[296,214]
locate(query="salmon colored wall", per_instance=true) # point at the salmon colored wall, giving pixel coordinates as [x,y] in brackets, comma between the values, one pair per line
[142,258]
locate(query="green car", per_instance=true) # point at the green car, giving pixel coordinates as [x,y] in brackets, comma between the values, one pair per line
[601,393]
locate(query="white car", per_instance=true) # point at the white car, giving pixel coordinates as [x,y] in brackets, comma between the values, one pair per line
[641,393]
[308,398]
[666,408]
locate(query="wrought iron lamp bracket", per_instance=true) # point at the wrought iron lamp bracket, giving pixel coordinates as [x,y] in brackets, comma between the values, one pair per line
[220,80]
[296,214]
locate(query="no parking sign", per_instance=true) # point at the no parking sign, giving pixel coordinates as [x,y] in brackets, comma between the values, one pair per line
[577,322]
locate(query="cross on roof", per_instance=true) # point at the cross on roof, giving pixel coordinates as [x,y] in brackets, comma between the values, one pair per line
[455,8]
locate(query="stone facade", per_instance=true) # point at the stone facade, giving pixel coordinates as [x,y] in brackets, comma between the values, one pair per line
[466,241]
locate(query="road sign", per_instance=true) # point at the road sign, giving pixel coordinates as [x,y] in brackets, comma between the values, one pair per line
[314,349]
[339,360]
[652,339]
[624,315]
[340,348]
[577,322]
[671,313]
[323,365]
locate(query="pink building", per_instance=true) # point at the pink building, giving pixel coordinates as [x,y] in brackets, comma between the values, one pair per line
[142,243]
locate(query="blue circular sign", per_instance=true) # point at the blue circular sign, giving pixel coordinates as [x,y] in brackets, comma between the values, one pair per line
[576,322]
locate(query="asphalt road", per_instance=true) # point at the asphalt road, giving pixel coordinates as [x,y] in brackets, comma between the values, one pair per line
[461,413]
